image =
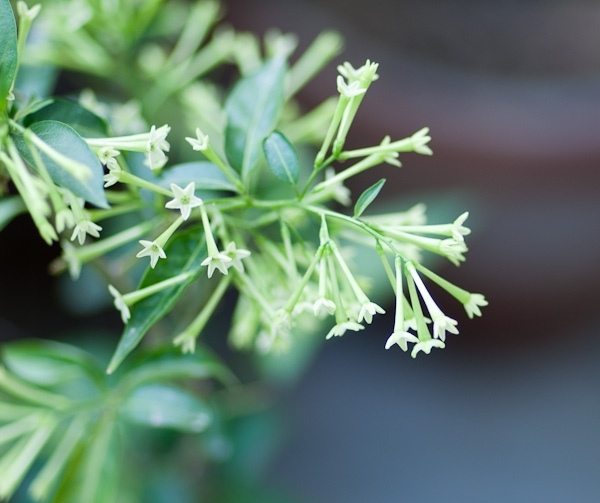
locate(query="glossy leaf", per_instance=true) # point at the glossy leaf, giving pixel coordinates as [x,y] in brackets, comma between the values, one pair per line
[253,109]
[164,406]
[65,140]
[281,157]
[185,252]
[8,52]
[82,120]
[367,197]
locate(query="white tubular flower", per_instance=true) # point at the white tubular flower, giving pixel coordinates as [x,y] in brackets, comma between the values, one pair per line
[441,322]
[218,261]
[420,140]
[453,250]
[457,230]
[153,250]
[69,255]
[156,147]
[83,228]
[472,305]
[25,12]
[107,157]
[368,310]
[113,176]
[340,329]
[323,307]
[426,346]
[339,192]
[402,339]
[184,199]
[236,255]
[400,336]
[120,304]
[64,219]
[349,90]
[199,143]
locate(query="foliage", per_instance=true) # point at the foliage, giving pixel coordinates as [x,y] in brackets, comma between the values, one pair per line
[241,215]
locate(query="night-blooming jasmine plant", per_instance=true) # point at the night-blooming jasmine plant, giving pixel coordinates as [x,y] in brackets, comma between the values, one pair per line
[246,234]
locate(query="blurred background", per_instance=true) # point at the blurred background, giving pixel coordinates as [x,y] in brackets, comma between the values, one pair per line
[509,411]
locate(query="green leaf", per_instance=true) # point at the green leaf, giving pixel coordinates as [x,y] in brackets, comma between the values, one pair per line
[253,109]
[165,364]
[65,140]
[281,157]
[204,174]
[8,52]
[48,363]
[94,476]
[185,252]
[367,197]
[83,121]
[164,406]
[10,207]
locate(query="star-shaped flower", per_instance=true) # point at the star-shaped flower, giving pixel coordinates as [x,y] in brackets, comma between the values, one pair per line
[323,307]
[402,339]
[184,199]
[340,328]
[472,305]
[236,255]
[84,227]
[199,143]
[367,310]
[156,147]
[218,261]
[152,250]
[426,346]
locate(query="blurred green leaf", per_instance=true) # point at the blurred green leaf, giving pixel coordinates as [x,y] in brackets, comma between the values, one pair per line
[83,121]
[8,52]
[367,197]
[164,406]
[281,157]
[10,207]
[253,109]
[186,251]
[47,363]
[65,140]
[93,474]
[166,364]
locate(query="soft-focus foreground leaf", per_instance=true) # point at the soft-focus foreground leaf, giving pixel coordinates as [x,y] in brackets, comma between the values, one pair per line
[8,51]
[164,406]
[185,252]
[83,121]
[10,207]
[281,157]
[93,475]
[48,363]
[367,197]
[65,140]
[253,110]
[167,364]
